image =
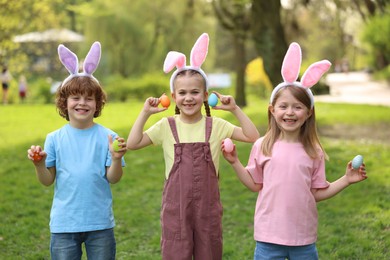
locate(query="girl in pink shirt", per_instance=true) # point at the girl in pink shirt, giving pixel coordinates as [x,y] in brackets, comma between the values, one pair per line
[287,167]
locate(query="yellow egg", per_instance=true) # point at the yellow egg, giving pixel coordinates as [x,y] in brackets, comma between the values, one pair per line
[164,100]
[115,146]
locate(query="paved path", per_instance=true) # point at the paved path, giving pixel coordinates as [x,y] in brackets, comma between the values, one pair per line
[357,88]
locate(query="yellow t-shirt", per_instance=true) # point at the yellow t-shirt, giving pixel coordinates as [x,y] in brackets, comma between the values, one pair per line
[161,134]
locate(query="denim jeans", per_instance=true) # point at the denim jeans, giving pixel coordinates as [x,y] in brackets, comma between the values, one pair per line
[267,251]
[99,245]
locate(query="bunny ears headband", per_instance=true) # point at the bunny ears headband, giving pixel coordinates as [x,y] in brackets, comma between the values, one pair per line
[198,56]
[290,72]
[71,62]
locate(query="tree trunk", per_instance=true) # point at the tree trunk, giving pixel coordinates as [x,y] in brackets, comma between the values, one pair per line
[234,17]
[240,54]
[268,35]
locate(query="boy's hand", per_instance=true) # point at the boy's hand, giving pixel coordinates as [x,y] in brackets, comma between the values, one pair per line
[227,102]
[117,146]
[36,154]
[355,175]
[230,157]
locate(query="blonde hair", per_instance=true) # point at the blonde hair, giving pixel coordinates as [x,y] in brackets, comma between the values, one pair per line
[308,135]
[193,73]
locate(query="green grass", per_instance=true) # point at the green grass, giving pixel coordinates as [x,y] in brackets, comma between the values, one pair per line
[353,225]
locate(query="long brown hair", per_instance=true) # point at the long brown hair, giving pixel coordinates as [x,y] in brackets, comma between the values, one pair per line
[308,135]
[193,73]
[82,85]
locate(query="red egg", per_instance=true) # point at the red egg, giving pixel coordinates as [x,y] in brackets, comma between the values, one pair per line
[37,157]
[164,101]
[228,144]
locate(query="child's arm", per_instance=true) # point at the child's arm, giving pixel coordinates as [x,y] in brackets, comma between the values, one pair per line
[115,171]
[137,138]
[46,176]
[351,176]
[248,131]
[242,174]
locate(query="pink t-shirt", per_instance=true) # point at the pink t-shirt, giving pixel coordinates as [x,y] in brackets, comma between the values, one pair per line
[286,211]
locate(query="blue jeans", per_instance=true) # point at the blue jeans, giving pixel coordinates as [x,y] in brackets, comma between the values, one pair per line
[267,251]
[98,244]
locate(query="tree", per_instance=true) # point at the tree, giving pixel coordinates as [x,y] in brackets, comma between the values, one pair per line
[137,34]
[234,17]
[22,16]
[376,34]
[375,14]
[268,35]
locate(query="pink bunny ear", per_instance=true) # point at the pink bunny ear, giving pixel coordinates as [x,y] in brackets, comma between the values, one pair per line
[92,59]
[173,59]
[199,51]
[68,59]
[292,63]
[313,74]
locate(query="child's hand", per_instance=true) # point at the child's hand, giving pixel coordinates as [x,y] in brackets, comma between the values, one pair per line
[36,154]
[117,147]
[151,105]
[355,175]
[227,102]
[230,157]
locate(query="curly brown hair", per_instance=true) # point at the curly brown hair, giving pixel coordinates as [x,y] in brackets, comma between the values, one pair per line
[82,85]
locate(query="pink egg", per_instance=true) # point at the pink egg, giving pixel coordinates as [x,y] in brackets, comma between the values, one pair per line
[228,145]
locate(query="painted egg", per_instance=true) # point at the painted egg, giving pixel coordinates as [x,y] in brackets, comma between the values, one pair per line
[37,157]
[228,144]
[213,100]
[357,161]
[115,146]
[164,101]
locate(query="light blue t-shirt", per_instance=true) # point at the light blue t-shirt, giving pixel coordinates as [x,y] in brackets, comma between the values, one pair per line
[82,196]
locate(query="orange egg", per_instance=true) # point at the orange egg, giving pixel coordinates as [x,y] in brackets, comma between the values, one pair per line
[164,100]
[37,157]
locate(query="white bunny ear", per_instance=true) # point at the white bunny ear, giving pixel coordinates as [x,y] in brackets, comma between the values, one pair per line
[92,59]
[199,51]
[68,59]
[314,73]
[292,63]
[173,59]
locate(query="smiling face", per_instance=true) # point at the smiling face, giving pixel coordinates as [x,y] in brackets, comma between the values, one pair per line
[189,95]
[81,110]
[289,113]
[80,98]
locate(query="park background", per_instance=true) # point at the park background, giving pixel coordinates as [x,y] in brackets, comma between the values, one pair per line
[248,40]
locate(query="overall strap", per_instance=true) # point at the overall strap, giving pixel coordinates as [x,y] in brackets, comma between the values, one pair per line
[209,126]
[172,124]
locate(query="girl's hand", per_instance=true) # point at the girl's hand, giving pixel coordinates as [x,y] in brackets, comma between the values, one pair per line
[355,175]
[36,154]
[151,105]
[227,102]
[230,157]
[118,149]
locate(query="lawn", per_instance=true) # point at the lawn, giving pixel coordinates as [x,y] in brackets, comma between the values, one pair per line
[353,225]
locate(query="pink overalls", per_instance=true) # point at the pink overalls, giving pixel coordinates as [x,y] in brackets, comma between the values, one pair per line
[191,216]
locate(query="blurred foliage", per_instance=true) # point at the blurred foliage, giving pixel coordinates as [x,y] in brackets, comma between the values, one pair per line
[257,80]
[376,34]
[23,16]
[123,89]
[136,35]
[118,88]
